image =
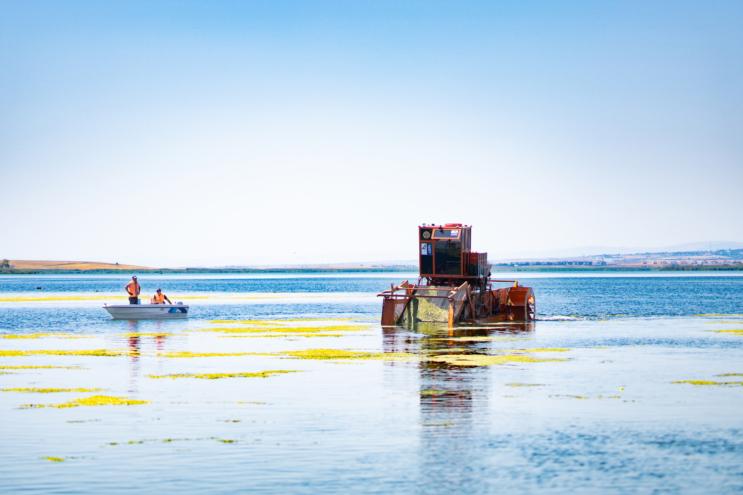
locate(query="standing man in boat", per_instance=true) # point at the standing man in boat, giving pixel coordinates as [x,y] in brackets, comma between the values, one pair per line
[133,289]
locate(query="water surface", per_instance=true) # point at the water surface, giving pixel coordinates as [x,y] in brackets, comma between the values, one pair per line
[583,400]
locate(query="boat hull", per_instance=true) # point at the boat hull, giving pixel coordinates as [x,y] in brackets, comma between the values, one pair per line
[147,311]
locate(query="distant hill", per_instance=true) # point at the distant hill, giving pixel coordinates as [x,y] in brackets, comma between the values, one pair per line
[66,266]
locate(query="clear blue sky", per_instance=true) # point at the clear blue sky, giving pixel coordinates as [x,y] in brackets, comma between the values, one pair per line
[176,133]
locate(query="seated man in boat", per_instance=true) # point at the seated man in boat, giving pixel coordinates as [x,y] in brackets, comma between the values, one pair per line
[133,289]
[159,298]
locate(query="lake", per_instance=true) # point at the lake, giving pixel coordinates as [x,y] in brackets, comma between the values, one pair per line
[286,383]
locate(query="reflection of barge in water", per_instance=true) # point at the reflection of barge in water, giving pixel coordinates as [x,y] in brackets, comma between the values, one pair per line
[454,284]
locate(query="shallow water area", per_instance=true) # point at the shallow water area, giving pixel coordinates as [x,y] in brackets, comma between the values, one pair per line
[321,398]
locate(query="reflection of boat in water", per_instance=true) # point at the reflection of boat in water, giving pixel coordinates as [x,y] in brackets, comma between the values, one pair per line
[146,311]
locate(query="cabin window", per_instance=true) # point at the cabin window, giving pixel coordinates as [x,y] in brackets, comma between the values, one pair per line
[446,234]
[426,248]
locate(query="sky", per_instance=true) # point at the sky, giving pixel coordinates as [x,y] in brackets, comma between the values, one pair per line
[282,132]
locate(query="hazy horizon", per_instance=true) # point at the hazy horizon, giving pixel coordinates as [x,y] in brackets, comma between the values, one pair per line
[248,133]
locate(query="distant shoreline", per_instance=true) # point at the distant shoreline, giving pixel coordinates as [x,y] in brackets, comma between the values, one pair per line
[394,269]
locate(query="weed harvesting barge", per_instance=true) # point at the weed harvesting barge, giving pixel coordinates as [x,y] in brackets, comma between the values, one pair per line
[454,285]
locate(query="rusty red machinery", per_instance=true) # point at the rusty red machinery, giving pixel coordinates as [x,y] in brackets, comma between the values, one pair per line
[454,285]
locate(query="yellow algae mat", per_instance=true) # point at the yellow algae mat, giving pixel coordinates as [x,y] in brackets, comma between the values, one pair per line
[488,360]
[95,400]
[711,383]
[63,352]
[219,376]
[188,354]
[344,354]
[285,328]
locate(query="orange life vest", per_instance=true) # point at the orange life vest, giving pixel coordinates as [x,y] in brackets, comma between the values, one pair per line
[159,298]
[133,288]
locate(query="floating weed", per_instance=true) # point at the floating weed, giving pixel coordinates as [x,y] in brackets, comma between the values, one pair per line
[296,320]
[187,354]
[63,352]
[169,440]
[525,385]
[712,383]
[439,424]
[219,376]
[343,354]
[730,374]
[40,390]
[735,331]
[486,360]
[95,400]
[286,329]
[281,321]
[282,335]
[569,396]
[432,392]
[243,322]
[230,420]
[53,458]
[75,421]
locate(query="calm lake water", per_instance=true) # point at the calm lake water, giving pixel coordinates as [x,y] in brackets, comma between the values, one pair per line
[287,384]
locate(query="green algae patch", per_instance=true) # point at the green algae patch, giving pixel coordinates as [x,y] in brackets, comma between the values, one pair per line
[92,401]
[187,354]
[525,385]
[346,355]
[736,331]
[43,390]
[487,360]
[730,374]
[220,376]
[63,352]
[432,392]
[51,458]
[712,383]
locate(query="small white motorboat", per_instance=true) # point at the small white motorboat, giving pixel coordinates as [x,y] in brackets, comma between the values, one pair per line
[146,311]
